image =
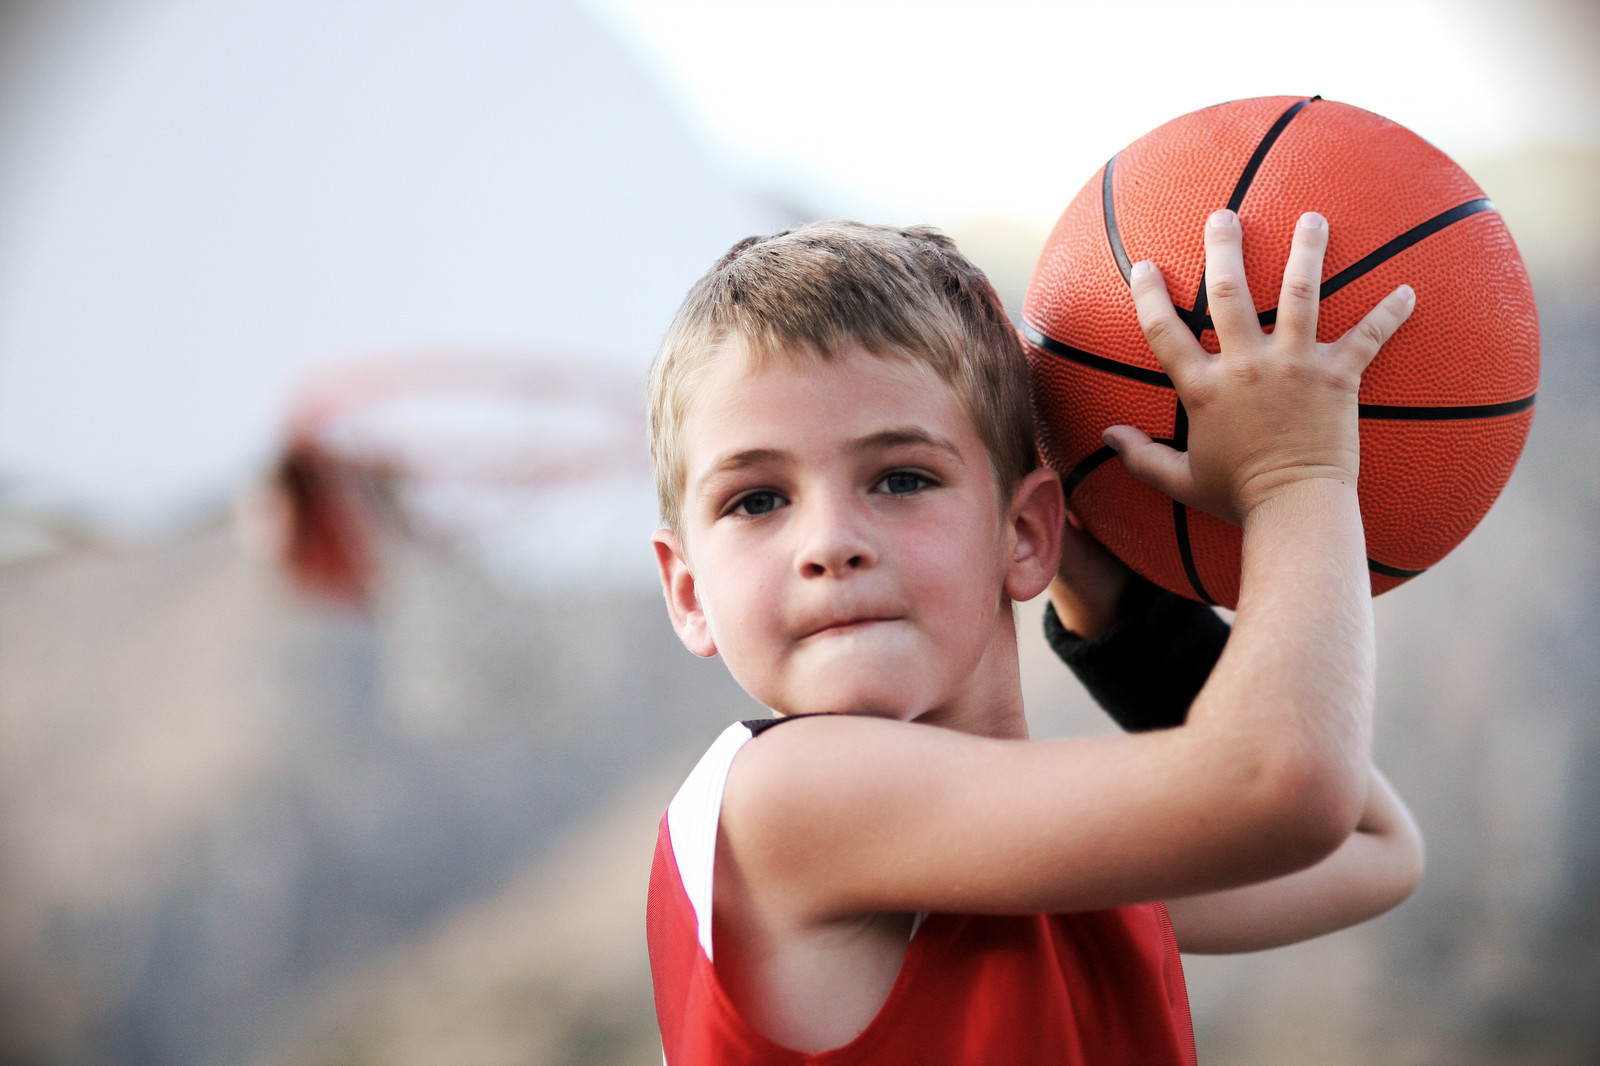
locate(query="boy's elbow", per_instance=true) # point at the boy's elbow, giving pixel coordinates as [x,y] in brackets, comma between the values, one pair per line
[1308,809]
[1408,863]
[1311,833]
[1411,878]
[1395,841]
[1394,874]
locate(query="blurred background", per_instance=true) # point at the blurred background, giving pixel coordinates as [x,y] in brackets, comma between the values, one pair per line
[337,703]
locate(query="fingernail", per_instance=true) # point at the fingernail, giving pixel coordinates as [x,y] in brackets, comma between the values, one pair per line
[1143,268]
[1222,218]
[1407,293]
[1312,220]
[1110,441]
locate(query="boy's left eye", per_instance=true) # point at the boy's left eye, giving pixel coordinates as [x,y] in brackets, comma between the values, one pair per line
[903,482]
[755,504]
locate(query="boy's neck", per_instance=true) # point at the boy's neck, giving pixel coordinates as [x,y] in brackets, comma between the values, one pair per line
[992,704]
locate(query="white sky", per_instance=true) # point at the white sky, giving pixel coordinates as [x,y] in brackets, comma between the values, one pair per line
[911,111]
[202,202]
[199,199]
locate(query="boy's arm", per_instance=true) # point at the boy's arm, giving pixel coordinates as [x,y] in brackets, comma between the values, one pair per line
[836,817]
[1150,656]
[1149,653]
[1376,868]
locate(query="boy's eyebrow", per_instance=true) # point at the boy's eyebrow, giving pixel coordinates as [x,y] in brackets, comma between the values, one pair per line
[898,436]
[734,461]
[903,435]
[748,457]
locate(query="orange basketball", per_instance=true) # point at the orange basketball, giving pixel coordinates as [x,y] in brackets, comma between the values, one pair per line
[1445,407]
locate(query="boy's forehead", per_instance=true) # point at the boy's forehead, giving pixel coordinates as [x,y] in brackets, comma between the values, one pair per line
[786,385]
[857,400]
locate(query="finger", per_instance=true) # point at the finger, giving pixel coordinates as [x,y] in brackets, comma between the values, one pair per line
[1302,281]
[1156,465]
[1363,340]
[1170,340]
[1233,313]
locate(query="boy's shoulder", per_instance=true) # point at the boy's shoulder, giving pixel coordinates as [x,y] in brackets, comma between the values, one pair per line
[1025,977]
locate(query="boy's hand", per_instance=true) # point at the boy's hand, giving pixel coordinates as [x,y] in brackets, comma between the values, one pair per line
[1272,409]
[1089,582]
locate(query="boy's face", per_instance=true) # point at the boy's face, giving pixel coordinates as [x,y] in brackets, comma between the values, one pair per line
[842,544]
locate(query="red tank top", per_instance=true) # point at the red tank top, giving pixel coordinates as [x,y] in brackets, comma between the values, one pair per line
[1096,988]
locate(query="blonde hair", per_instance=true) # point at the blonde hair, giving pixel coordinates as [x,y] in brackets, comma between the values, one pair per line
[820,289]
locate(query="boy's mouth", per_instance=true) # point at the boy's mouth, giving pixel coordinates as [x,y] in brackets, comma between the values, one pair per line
[847,625]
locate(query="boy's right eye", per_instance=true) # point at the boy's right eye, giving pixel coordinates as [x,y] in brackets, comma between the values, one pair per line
[756,503]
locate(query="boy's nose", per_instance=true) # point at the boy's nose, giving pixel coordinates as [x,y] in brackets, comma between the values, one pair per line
[834,543]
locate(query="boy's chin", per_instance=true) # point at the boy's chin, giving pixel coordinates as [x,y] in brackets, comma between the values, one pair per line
[877,701]
[884,678]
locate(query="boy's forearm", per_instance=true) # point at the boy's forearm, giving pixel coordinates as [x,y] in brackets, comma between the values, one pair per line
[1295,684]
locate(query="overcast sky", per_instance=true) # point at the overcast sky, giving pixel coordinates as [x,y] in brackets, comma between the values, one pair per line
[905,111]
[200,201]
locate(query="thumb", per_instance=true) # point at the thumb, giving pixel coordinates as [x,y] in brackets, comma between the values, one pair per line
[1157,465]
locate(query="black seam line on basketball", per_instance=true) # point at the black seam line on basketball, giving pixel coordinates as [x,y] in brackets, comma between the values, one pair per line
[1109,212]
[1180,513]
[1401,243]
[1198,320]
[1180,527]
[1392,571]
[1242,186]
[1094,461]
[1039,339]
[1376,411]
[1236,200]
[1396,413]
[1086,466]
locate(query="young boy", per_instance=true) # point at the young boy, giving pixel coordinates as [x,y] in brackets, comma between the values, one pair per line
[851,501]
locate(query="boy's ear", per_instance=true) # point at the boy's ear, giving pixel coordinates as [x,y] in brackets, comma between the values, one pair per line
[683,602]
[1038,509]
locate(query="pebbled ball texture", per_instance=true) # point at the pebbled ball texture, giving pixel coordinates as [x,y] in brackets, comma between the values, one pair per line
[1446,405]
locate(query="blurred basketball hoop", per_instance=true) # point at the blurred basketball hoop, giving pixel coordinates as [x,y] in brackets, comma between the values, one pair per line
[536,469]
